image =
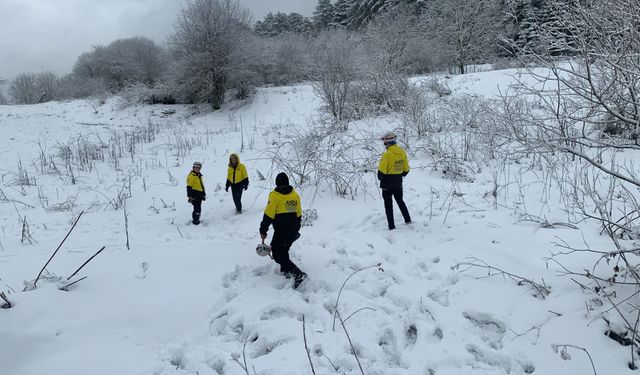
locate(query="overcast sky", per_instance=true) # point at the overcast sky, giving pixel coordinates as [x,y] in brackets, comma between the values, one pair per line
[37,35]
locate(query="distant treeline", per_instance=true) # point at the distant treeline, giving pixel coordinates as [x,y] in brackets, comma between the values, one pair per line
[215,53]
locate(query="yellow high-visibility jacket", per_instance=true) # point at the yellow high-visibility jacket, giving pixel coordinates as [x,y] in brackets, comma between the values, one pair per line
[237,175]
[394,165]
[195,186]
[284,210]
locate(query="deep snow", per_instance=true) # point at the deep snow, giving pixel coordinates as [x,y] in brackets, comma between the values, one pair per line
[187,299]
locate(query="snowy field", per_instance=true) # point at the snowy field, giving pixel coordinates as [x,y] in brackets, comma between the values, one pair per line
[166,297]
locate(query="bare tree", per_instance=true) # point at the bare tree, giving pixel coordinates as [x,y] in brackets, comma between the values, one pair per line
[462,28]
[335,70]
[206,34]
[23,89]
[389,35]
[291,58]
[49,85]
[31,88]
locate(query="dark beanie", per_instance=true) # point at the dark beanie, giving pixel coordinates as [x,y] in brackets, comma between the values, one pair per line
[282,179]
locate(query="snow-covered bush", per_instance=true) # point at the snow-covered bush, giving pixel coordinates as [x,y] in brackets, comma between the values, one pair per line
[141,93]
[122,62]
[324,157]
[437,86]
[417,116]
[31,88]
[375,95]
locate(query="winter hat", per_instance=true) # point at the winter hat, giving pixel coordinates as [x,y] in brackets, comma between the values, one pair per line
[197,164]
[282,179]
[389,138]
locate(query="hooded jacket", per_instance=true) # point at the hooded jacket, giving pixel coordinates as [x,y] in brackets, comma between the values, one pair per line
[284,211]
[237,176]
[394,165]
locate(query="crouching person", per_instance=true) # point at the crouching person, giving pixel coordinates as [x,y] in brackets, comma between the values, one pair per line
[284,211]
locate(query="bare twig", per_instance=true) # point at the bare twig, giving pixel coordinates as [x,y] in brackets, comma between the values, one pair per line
[353,349]
[7,304]
[85,263]
[335,307]
[474,262]
[357,311]
[66,287]
[244,358]
[56,251]
[126,225]
[565,355]
[332,364]
[306,347]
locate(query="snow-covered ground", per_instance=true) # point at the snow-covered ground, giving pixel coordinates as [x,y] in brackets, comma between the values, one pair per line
[186,299]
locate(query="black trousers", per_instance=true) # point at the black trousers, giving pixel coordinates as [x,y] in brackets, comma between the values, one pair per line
[387,194]
[236,193]
[197,209]
[280,245]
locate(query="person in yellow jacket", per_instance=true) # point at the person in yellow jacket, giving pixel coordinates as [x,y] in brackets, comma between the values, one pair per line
[237,180]
[284,211]
[195,191]
[394,165]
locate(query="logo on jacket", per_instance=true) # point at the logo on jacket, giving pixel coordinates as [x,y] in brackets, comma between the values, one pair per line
[291,205]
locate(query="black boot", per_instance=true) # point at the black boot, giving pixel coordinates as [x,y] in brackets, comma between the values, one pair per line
[298,279]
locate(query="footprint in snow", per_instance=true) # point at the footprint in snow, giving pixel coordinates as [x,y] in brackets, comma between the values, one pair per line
[490,329]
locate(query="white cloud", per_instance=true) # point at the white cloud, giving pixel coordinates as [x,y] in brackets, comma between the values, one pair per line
[42,35]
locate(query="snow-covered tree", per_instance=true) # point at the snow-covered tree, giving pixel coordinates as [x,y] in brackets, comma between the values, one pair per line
[362,11]
[31,88]
[335,71]
[299,23]
[342,13]
[462,28]
[123,62]
[207,35]
[323,15]
[3,98]
[281,23]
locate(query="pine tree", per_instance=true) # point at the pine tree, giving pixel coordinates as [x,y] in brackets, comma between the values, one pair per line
[281,23]
[363,11]
[323,15]
[342,12]
[299,24]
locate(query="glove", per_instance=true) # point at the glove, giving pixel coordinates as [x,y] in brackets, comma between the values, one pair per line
[189,199]
[204,198]
[263,236]
[246,187]
[226,189]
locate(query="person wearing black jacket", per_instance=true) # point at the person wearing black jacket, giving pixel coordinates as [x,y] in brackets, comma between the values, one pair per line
[195,191]
[284,212]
